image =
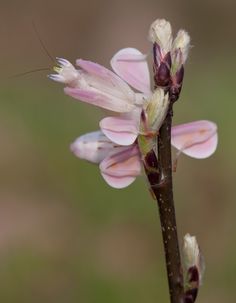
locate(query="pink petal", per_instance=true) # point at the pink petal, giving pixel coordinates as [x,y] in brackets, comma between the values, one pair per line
[197,139]
[100,99]
[93,147]
[131,65]
[120,130]
[105,80]
[122,168]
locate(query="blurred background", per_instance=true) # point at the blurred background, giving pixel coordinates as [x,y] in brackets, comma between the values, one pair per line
[65,235]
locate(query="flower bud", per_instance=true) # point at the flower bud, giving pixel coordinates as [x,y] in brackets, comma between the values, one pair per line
[161,33]
[162,71]
[179,54]
[194,265]
[191,251]
[157,109]
[180,49]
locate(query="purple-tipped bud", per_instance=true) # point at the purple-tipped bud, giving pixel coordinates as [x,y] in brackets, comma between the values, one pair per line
[162,72]
[160,34]
[169,57]
[194,266]
[179,54]
[180,50]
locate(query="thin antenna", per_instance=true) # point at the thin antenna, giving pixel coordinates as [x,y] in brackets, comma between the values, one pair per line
[41,42]
[29,72]
[45,50]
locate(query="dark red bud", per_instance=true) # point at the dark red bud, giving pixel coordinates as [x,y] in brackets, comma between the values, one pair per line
[162,77]
[193,274]
[162,72]
[193,278]
[191,295]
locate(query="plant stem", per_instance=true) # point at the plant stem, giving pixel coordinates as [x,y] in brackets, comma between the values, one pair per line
[164,196]
[159,173]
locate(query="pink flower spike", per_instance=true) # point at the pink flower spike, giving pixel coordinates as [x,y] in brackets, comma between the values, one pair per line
[131,65]
[120,130]
[121,169]
[196,139]
[100,99]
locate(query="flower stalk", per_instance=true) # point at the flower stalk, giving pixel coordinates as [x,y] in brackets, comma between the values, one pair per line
[161,181]
[164,196]
[159,174]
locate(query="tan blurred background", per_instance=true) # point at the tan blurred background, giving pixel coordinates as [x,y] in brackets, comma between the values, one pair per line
[65,236]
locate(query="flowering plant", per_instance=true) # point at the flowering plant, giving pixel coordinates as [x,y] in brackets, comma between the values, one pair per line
[137,131]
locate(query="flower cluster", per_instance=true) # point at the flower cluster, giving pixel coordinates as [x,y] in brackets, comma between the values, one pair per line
[169,56]
[135,112]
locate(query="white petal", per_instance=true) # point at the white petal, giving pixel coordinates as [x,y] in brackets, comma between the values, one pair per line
[94,147]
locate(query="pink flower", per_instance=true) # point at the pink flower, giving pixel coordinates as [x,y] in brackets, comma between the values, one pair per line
[96,85]
[115,148]
[120,165]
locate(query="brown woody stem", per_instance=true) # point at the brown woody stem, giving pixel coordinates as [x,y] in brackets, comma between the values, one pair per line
[164,196]
[159,173]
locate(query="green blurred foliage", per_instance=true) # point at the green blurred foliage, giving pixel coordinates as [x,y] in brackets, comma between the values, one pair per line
[65,236]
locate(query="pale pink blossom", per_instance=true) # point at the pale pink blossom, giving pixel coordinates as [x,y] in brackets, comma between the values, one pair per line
[120,165]
[115,148]
[96,85]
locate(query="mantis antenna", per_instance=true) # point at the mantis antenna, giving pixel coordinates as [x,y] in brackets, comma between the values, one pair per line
[44,49]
